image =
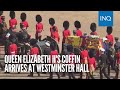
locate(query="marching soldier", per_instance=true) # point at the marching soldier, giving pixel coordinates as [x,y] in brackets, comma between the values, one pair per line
[77,25]
[117,44]
[70,52]
[52,23]
[91,63]
[109,35]
[1,13]
[34,51]
[12,48]
[39,27]
[23,17]
[12,21]
[117,63]
[53,52]
[56,35]
[3,26]
[84,59]
[111,59]
[66,33]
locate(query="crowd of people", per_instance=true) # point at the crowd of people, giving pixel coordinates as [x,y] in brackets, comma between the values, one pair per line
[106,58]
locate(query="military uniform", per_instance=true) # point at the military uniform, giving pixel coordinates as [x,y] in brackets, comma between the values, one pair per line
[103,66]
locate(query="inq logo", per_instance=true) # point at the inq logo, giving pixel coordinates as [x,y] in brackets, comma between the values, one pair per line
[105,18]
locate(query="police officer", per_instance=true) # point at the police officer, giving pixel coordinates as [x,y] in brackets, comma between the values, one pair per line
[110,58]
[117,43]
[103,63]
[117,62]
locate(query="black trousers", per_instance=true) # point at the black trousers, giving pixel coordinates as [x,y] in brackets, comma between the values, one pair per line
[62,47]
[112,65]
[88,75]
[31,73]
[38,37]
[103,71]
[117,71]
[51,75]
[71,75]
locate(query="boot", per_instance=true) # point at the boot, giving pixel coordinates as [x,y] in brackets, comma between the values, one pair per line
[31,74]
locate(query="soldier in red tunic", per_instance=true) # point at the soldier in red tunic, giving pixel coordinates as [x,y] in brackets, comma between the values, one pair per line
[84,59]
[56,35]
[77,25]
[39,27]
[91,63]
[66,33]
[53,52]
[1,13]
[12,48]
[52,23]
[34,51]
[12,21]
[23,20]
[109,35]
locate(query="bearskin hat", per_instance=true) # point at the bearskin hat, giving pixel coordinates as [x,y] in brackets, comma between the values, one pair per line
[12,14]
[38,18]
[23,16]
[1,12]
[66,24]
[51,21]
[93,27]
[109,30]
[33,42]
[77,24]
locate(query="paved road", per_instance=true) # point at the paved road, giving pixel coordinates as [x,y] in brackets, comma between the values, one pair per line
[43,76]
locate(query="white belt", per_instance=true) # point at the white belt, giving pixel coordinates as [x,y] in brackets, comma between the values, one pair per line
[12,52]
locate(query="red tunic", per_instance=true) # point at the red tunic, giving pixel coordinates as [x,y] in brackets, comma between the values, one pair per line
[78,33]
[92,61]
[110,38]
[25,24]
[84,55]
[12,23]
[39,27]
[12,49]
[34,51]
[93,33]
[0,19]
[55,52]
[118,57]
[56,36]
[51,30]
[66,33]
